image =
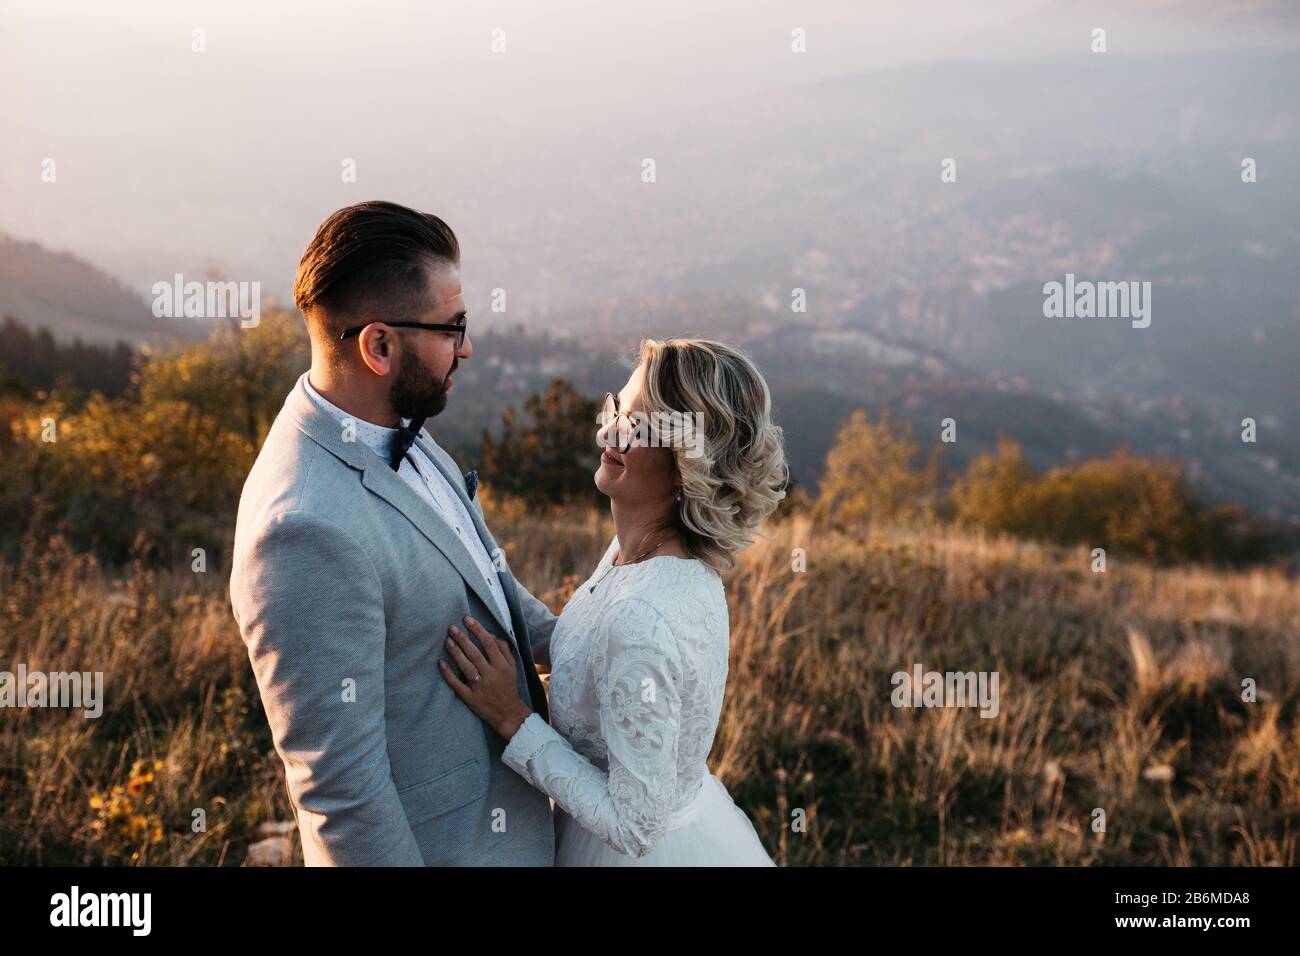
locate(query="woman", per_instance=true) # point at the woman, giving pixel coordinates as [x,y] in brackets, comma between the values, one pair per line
[692,466]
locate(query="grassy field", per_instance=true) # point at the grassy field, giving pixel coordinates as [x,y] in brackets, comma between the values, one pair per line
[1120,691]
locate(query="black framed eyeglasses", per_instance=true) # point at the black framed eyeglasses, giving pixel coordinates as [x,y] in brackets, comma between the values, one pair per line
[459,329]
[624,428]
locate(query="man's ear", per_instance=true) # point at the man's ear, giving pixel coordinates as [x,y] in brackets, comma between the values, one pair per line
[378,346]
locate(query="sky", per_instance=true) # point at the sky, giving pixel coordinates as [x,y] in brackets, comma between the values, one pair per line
[167,159]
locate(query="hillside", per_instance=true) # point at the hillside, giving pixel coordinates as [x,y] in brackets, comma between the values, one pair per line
[1119,692]
[73,299]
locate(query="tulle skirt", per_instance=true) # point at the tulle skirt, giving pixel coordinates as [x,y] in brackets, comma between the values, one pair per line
[710,831]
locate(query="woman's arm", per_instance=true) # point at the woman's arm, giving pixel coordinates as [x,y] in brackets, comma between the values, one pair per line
[637,673]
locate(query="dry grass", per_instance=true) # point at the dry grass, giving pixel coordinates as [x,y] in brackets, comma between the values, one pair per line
[1119,691]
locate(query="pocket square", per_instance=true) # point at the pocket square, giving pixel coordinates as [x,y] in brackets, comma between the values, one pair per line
[471,483]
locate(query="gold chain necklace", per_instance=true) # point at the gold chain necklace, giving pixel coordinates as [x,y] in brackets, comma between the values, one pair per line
[612,565]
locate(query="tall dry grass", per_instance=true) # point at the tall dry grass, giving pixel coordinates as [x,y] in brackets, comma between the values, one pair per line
[1120,692]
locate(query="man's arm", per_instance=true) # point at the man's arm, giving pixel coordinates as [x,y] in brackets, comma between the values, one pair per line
[311,610]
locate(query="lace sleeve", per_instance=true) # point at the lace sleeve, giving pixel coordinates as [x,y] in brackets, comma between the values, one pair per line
[637,671]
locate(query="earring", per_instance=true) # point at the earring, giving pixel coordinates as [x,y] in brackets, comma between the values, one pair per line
[679,494]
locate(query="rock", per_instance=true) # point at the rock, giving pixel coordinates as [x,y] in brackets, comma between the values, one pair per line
[276,828]
[273,851]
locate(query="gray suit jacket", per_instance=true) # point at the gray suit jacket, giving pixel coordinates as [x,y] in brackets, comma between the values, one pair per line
[343,584]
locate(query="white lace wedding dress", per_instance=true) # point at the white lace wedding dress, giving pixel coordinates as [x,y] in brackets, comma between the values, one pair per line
[638,665]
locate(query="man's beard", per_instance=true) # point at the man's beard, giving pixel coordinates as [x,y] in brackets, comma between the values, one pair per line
[417,392]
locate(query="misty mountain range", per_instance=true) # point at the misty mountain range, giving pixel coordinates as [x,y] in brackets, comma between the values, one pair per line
[922,294]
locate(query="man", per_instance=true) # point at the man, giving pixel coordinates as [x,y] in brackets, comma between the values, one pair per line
[357,544]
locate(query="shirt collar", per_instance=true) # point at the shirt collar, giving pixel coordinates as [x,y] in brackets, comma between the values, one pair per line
[375,437]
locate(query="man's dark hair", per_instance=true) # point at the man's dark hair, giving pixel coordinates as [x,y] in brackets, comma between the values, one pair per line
[371,259]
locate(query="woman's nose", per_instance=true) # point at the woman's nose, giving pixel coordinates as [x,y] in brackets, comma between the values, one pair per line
[603,430]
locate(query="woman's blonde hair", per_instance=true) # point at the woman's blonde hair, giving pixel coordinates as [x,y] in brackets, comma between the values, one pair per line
[732,464]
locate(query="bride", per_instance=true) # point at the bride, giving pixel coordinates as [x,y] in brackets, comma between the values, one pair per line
[692,464]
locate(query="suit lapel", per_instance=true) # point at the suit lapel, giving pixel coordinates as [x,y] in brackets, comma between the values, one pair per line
[379,478]
[447,466]
[522,643]
[456,480]
[387,484]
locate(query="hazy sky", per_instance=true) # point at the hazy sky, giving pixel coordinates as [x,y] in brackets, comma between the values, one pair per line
[168,159]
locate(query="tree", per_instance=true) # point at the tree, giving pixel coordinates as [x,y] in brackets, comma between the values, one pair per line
[158,469]
[994,491]
[551,459]
[239,377]
[871,472]
[1127,504]
[1124,503]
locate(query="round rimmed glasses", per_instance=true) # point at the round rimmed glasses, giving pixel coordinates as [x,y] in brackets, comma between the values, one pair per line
[624,430]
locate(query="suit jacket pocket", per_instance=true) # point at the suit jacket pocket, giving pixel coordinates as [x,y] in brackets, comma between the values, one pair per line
[448,791]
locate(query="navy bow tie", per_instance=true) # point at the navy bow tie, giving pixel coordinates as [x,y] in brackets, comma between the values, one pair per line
[402,442]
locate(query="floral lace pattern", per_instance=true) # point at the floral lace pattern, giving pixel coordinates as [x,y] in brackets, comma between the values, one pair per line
[638,668]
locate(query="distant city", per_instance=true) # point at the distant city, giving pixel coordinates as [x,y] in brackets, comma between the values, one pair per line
[885,239]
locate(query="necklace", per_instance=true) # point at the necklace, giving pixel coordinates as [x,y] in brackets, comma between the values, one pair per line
[612,565]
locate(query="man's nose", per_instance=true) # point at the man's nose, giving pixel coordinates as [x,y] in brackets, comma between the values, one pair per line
[466,348]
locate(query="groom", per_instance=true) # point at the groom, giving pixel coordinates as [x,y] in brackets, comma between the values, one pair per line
[358,542]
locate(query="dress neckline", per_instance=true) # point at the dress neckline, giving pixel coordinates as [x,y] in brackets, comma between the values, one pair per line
[612,551]
[609,566]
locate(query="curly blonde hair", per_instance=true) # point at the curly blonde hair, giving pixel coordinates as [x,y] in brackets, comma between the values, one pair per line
[734,473]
